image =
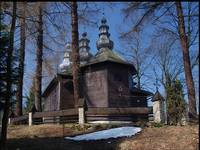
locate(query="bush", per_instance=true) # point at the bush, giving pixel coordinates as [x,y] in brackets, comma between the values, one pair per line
[157,125]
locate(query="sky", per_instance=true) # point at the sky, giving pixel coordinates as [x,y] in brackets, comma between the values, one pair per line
[116,23]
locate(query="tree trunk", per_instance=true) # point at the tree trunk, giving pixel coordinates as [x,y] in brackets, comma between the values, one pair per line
[186,61]
[39,54]
[19,94]
[8,79]
[75,52]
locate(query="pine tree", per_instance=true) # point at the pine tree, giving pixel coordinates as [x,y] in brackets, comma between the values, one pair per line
[175,102]
[8,75]
[30,98]
[4,39]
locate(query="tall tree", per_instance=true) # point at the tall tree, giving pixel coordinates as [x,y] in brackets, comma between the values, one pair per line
[186,61]
[4,40]
[167,64]
[19,94]
[8,77]
[75,52]
[138,55]
[154,12]
[39,54]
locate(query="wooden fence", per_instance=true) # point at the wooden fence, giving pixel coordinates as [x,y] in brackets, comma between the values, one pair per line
[81,115]
[22,119]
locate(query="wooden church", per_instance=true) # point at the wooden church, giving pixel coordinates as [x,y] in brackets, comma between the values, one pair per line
[106,80]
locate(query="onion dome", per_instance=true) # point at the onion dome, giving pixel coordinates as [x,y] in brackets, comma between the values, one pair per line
[104,40]
[66,60]
[84,49]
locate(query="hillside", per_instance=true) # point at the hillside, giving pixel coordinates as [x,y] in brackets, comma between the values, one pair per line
[50,137]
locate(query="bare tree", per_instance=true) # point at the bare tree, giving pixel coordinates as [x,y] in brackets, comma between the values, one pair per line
[75,52]
[137,54]
[166,59]
[186,61]
[19,94]
[39,54]
[167,64]
[166,10]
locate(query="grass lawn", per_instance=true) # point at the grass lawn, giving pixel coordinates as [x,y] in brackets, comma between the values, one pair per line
[50,137]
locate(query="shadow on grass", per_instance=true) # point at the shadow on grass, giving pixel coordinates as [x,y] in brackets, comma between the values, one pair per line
[58,143]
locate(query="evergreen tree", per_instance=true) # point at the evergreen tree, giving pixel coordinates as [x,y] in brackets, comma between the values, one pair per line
[175,102]
[30,98]
[4,39]
[8,73]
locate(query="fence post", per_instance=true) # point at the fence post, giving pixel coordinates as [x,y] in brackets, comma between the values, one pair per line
[81,115]
[30,119]
[81,111]
[9,121]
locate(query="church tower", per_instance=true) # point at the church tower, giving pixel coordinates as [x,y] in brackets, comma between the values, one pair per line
[104,43]
[84,49]
[66,60]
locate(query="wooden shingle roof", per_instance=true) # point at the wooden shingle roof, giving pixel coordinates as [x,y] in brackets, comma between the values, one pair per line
[107,55]
[140,91]
[67,74]
[157,97]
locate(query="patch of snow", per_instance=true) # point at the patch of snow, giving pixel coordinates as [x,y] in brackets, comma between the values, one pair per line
[106,134]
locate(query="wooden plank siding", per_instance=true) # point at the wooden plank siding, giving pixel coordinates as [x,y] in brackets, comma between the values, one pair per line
[117,111]
[119,91]
[51,99]
[93,112]
[23,118]
[66,94]
[95,87]
[68,112]
[116,114]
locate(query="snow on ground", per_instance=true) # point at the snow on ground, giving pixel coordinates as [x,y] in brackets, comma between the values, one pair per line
[106,134]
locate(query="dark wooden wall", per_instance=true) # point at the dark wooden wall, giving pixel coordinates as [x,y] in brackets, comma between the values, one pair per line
[95,87]
[138,100]
[51,99]
[103,85]
[119,93]
[67,98]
